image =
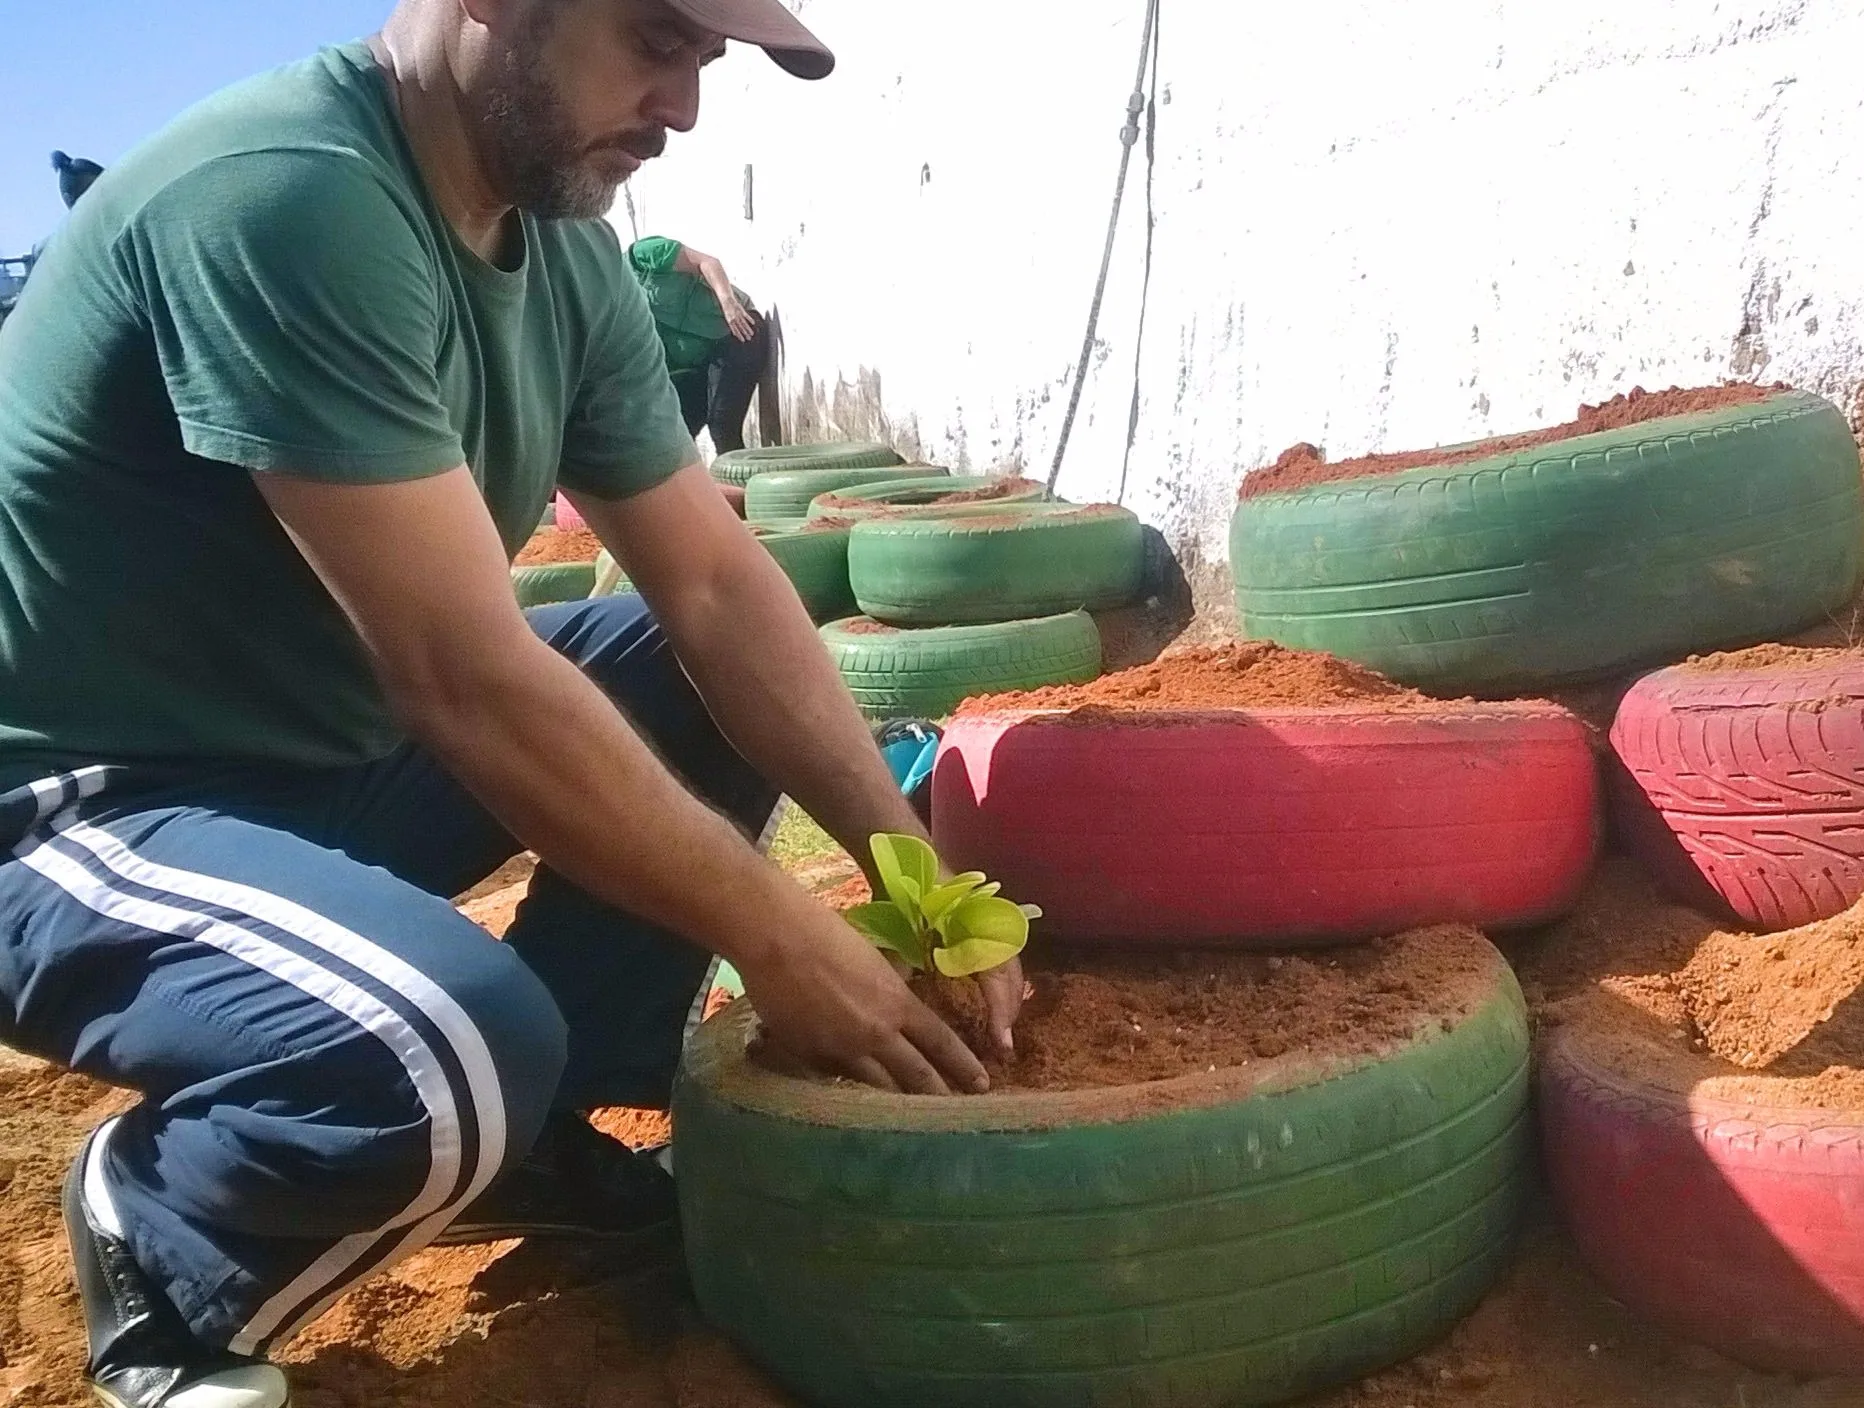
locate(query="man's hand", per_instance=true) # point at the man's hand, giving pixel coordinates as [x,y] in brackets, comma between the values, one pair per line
[830,1001]
[1003,988]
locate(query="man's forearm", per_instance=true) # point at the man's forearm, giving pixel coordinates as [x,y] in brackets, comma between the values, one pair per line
[750,648]
[713,273]
[553,759]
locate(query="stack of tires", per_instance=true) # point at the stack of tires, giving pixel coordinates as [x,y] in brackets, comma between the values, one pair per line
[1199,1242]
[1209,1240]
[1737,782]
[972,584]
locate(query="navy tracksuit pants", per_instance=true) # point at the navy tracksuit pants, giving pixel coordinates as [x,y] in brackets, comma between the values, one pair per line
[333,1061]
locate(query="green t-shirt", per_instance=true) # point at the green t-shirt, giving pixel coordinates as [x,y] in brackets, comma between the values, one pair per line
[685,309]
[267,285]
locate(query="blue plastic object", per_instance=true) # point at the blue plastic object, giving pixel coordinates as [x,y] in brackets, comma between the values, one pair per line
[911,762]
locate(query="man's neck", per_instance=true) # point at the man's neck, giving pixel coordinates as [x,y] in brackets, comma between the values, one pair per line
[418,69]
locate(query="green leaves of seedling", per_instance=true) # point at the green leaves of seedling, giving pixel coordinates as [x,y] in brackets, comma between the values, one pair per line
[889,928]
[957,928]
[908,868]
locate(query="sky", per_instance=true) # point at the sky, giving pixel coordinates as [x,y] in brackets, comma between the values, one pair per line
[94,77]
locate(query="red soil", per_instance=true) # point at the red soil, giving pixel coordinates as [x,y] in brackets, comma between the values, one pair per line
[1770,657]
[1099,1018]
[553,545]
[1672,997]
[1249,674]
[1303,466]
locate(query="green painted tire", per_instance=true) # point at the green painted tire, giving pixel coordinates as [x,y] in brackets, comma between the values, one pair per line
[740,466]
[1207,1242]
[1572,560]
[552,582]
[919,496]
[605,567]
[1030,560]
[927,673]
[815,561]
[786,494]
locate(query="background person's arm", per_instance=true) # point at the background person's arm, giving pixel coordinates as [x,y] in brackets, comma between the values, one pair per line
[705,267]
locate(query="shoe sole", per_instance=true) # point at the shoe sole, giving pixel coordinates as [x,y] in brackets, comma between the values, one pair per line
[110,1400]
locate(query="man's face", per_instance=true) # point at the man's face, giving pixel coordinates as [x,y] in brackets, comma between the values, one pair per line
[578,93]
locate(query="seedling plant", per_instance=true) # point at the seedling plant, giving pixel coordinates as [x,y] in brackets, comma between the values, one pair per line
[956,928]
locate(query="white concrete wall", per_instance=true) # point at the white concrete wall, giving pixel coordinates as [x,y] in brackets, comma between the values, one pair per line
[1379,226]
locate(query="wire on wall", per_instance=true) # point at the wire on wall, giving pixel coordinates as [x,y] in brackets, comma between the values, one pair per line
[1136,105]
[1145,278]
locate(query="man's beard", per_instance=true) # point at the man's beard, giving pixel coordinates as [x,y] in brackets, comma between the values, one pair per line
[532,151]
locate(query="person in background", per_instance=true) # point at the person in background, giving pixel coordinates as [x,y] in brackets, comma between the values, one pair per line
[715,341]
[75,176]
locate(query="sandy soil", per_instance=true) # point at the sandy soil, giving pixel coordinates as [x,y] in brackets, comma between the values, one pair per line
[535,1326]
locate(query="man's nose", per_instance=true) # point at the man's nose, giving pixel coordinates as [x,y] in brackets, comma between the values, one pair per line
[674,101]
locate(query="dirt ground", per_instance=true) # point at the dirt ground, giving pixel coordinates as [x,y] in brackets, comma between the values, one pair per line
[535,1326]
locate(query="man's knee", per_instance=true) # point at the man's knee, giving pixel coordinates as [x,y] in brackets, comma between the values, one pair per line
[518,1037]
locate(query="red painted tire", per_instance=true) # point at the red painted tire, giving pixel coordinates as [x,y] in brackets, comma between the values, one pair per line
[1738,1226]
[1242,826]
[1743,790]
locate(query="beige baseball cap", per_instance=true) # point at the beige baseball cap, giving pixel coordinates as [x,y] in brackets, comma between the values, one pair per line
[767,24]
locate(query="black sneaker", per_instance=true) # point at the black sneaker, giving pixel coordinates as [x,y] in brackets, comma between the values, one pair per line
[576,1182]
[142,1353]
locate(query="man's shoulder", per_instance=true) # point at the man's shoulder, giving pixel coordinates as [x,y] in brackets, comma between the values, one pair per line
[586,246]
[321,122]
[588,264]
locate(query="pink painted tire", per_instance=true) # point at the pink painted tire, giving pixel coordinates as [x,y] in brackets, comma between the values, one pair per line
[1743,790]
[568,519]
[1261,826]
[1737,1226]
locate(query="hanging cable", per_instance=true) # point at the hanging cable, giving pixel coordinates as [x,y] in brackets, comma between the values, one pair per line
[1145,279]
[1129,134]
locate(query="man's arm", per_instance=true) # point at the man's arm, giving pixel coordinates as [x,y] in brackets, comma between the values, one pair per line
[704,266]
[744,637]
[418,567]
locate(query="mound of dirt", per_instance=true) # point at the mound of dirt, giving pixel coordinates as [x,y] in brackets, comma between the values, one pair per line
[1669,996]
[1251,674]
[549,546]
[1098,1018]
[1303,466]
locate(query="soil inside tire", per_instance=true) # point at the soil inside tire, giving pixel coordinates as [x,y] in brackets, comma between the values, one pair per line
[1097,1018]
[1671,998]
[930,498]
[1249,674]
[549,546]
[1303,466]
[1771,657]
